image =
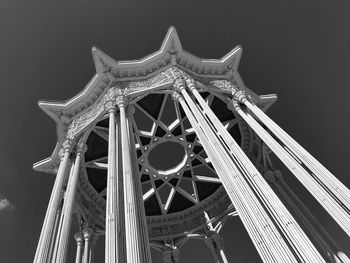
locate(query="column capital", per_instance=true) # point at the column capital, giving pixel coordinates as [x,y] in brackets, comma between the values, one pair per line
[270,176]
[176,96]
[110,105]
[273,176]
[67,146]
[171,253]
[130,110]
[214,238]
[79,238]
[179,84]
[80,148]
[239,96]
[233,105]
[122,100]
[87,233]
[190,83]
[278,175]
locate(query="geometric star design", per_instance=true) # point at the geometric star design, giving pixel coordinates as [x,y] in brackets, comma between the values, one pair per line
[174,170]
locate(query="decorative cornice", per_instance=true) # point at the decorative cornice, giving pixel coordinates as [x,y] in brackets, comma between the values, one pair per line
[108,69]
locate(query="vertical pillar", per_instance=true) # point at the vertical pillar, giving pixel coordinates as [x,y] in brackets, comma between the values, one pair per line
[320,194]
[57,230]
[68,205]
[46,235]
[215,243]
[171,253]
[87,233]
[270,245]
[111,239]
[339,191]
[92,247]
[328,246]
[137,248]
[287,224]
[80,242]
[56,242]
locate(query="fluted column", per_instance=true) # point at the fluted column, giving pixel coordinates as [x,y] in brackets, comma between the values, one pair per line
[287,224]
[46,235]
[171,253]
[68,204]
[57,230]
[87,234]
[326,179]
[321,195]
[137,249]
[56,242]
[111,238]
[270,245]
[328,246]
[80,243]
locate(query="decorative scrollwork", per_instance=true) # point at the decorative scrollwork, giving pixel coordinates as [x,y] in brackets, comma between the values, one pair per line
[88,117]
[224,85]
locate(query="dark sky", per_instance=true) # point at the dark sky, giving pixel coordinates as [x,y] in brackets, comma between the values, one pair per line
[297,49]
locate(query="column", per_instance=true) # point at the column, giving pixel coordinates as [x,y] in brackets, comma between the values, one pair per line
[321,195]
[330,248]
[137,249]
[56,242]
[68,204]
[57,230]
[92,247]
[46,235]
[281,216]
[87,234]
[215,243]
[171,253]
[326,179]
[269,244]
[80,242]
[111,239]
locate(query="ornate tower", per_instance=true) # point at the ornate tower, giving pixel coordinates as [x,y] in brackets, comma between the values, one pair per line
[157,151]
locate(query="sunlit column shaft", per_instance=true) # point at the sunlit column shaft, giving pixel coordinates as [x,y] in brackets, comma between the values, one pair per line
[325,241]
[80,243]
[320,194]
[137,250]
[46,235]
[68,205]
[87,233]
[329,181]
[60,224]
[111,236]
[292,231]
[263,233]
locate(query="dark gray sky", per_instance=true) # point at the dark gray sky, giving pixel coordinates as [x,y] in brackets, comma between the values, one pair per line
[297,49]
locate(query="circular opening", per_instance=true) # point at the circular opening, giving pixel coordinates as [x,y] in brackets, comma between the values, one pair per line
[166,156]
